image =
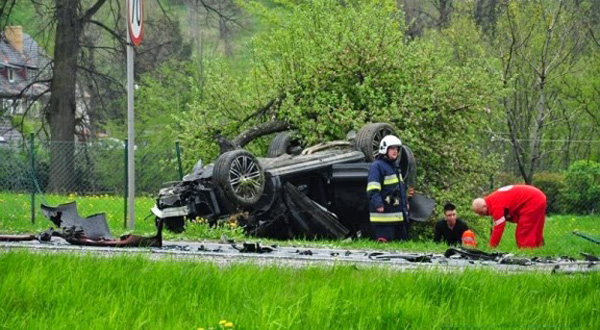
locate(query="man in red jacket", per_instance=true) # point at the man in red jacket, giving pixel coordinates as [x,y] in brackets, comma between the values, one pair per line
[521,204]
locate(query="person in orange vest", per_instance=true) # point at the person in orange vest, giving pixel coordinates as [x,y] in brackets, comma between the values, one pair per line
[522,204]
[451,228]
[468,239]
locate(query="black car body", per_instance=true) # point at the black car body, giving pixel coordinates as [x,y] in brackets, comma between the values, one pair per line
[318,192]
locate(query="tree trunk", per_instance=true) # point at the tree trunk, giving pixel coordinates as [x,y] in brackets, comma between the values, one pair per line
[61,115]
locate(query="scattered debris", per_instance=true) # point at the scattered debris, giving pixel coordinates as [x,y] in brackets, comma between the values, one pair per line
[252,248]
[90,231]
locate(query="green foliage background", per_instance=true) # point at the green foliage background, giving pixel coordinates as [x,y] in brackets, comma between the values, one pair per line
[332,68]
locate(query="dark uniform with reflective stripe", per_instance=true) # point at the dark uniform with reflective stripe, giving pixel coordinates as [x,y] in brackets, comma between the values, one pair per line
[385,188]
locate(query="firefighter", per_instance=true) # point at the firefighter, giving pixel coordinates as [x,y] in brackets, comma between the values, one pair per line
[522,204]
[386,192]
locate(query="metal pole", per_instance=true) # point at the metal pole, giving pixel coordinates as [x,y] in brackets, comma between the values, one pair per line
[178,151]
[32,157]
[130,136]
[125,185]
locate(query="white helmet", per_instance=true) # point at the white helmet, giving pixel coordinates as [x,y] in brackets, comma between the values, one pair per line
[388,141]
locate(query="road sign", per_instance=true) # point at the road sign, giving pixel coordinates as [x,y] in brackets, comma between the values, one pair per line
[135,20]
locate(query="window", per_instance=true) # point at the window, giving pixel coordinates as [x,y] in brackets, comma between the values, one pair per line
[7,105]
[11,75]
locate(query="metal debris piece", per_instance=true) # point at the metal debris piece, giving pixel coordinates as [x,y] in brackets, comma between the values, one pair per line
[91,231]
[66,216]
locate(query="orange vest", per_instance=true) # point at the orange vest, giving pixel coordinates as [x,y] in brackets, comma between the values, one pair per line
[468,239]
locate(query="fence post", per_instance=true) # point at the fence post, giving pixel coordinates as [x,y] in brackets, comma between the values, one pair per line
[178,151]
[32,157]
[126,184]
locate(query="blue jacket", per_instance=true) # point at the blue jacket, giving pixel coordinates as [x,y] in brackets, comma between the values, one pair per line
[386,188]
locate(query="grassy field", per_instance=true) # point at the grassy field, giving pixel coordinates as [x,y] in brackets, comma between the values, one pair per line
[72,292]
[16,218]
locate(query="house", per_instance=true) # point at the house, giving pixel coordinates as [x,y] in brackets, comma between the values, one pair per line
[24,74]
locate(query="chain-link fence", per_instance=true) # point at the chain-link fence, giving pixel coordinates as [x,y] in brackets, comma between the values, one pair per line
[93,174]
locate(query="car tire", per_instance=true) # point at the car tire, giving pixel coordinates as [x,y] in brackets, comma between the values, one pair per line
[240,177]
[369,136]
[408,166]
[284,143]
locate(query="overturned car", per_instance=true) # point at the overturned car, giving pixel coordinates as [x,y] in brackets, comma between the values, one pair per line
[316,192]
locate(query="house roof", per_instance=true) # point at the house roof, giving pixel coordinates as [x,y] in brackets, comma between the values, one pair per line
[32,58]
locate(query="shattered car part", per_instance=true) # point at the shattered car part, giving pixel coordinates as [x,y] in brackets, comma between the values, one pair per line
[90,231]
[66,216]
[319,192]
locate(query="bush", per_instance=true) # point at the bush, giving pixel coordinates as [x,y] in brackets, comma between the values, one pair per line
[502,179]
[553,185]
[582,187]
[15,174]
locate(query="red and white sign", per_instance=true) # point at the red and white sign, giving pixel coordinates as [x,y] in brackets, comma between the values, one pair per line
[135,20]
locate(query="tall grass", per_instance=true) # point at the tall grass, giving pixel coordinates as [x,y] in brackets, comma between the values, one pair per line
[74,292]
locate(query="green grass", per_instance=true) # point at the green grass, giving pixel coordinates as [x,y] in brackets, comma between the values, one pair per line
[73,292]
[16,218]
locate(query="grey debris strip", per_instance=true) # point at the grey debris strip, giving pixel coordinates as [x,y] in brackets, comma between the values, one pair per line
[456,259]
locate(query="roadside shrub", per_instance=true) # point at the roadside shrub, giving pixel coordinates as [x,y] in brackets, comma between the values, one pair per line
[582,187]
[502,179]
[553,185]
[15,172]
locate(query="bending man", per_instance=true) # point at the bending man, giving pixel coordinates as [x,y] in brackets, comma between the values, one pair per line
[521,204]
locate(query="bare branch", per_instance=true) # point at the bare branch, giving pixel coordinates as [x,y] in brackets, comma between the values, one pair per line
[91,11]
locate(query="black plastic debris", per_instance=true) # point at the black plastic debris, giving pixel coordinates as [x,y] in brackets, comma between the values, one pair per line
[252,248]
[412,257]
[472,254]
[421,207]
[304,253]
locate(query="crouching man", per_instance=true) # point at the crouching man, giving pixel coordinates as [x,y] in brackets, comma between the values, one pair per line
[451,229]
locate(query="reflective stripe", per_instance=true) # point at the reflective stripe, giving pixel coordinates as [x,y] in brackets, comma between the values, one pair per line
[390,179]
[499,221]
[373,186]
[386,217]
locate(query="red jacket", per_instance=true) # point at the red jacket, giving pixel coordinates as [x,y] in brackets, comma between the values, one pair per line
[509,204]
